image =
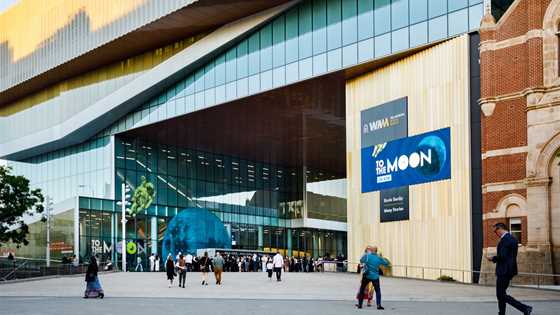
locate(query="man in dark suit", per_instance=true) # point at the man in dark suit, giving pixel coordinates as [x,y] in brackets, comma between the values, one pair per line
[506,269]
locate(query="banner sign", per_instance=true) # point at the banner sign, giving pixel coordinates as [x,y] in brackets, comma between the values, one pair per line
[385,122]
[408,161]
[394,204]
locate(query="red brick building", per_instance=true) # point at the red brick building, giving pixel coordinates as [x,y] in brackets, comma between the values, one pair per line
[520,98]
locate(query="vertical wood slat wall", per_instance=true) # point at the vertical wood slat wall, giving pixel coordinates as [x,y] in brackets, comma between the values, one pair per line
[438,234]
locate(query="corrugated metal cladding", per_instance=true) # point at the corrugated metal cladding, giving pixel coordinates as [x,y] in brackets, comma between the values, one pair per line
[38,35]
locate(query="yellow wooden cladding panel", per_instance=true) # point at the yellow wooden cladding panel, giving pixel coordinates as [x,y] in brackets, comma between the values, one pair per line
[438,234]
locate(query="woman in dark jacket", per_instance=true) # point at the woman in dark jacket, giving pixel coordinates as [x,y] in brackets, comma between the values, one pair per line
[205,268]
[93,287]
[170,269]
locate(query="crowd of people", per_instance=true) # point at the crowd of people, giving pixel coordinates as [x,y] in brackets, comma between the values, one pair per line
[370,269]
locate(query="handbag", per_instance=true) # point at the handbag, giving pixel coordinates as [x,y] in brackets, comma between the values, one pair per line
[90,277]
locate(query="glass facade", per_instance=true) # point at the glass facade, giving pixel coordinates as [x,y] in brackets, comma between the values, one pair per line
[100,233]
[311,39]
[257,202]
[85,169]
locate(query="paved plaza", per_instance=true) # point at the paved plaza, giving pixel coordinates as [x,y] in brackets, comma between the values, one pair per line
[253,293]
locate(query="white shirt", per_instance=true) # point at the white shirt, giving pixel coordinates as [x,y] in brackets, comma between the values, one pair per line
[152,259]
[188,259]
[278,261]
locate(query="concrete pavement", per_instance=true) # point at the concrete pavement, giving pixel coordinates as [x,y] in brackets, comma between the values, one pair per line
[251,293]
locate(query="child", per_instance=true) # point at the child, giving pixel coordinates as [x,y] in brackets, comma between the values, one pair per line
[368,294]
[269,268]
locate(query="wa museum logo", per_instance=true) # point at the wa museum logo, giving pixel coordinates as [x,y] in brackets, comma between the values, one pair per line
[407,161]
[379,124]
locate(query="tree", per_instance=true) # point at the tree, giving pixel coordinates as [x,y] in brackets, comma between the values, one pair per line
[143,197]
[16,201]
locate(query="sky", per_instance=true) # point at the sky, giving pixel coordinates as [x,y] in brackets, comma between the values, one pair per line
[4,4]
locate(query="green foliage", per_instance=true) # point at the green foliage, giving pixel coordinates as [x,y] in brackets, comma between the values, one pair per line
[16,201]
[446,278]
[143,197]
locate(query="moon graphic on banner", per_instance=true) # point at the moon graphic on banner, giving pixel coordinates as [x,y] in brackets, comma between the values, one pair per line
[439,155]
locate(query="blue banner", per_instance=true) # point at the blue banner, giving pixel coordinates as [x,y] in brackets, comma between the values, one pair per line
[408,161]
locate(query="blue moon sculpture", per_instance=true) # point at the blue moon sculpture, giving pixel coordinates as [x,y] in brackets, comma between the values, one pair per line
[192,229]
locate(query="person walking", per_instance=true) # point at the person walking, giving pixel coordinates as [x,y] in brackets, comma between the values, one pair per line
[139,264]
[269,268]
[278,262]
[170,269]
[218,266]
[506,269]
[189,261]
[371,262]
[263,263]
[204,268]
[182,268]
[157,263]
[152,260]
[93,287]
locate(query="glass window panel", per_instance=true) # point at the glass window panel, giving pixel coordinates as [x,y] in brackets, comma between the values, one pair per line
[292,36]
[320,64]
[242,67]
[231,90]
[209,78]
[399,14]
[242,87]
[456,4]
[189,85]
[418,11]
[349,55]
[475,16]
[220,94]
[458,22]
[279,76]
[305,68]
[278,37]
[266,80]
[399,40]
[475,1]
[231,66]
[254,51]
[292,73]
[437,28]
[437,7]
[365,19]
[266,47]
[334,27]
[305,31]
[209,97]
[382,16]
[254,84]
[365,50]
[334,59]
[319,25]
[382,45]
[418,34]
[199,80]
[349,22]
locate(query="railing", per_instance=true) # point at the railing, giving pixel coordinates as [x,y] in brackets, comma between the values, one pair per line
[24,268]
[523,279]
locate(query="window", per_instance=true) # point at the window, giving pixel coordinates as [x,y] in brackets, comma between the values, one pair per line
[515,228]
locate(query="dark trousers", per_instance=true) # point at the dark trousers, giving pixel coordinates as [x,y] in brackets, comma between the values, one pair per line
[182,277]
[502,283]
[269,273]
[364,284]
[278,271]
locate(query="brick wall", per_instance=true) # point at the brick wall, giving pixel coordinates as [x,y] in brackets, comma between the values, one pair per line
[490,199]
[506,72]
[504,168]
